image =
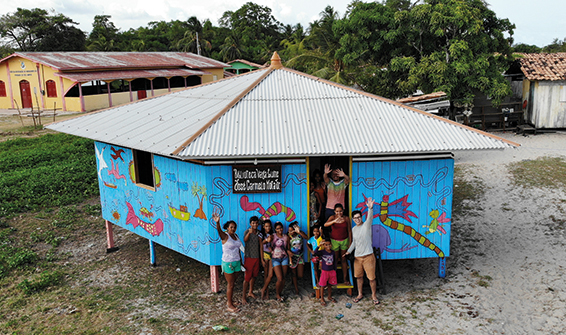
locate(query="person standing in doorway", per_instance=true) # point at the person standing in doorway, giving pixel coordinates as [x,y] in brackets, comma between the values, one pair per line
[336,183]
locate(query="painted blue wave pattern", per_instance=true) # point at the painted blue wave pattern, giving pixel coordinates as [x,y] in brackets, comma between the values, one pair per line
[412,180]
[293,178]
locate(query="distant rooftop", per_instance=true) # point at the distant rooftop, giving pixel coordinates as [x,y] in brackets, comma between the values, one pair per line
[544,66]
[76,61]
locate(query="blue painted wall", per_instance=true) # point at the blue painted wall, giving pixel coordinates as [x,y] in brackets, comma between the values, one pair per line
[415,198]
[178,214]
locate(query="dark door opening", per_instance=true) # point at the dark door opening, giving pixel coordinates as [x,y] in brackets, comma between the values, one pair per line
[316,167]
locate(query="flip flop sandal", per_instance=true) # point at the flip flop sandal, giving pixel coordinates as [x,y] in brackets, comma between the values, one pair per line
[376,302]
[356,300]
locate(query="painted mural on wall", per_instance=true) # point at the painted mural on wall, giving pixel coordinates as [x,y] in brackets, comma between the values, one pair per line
[286,206]
[413,205]
[172,215]
[176,213]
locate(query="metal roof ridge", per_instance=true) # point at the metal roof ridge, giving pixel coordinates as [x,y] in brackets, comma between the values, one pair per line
[224,110]
[377,97]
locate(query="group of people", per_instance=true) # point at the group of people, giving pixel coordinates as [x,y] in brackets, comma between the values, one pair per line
[332,240]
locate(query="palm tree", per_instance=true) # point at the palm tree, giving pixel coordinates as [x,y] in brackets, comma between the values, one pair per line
[192,42]
[320,60]
[200,193]
[231,48]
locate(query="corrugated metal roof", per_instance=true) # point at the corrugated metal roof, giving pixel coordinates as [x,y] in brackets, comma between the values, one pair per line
[160,124]
[285,114]
[131,74]
[73,61]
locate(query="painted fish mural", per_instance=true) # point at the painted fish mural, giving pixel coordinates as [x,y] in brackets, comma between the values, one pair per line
[155,229]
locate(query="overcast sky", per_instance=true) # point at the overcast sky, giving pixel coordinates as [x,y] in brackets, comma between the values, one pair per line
[538,21]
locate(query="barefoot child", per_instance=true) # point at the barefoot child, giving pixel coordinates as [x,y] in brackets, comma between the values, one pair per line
[253,252]
[314,244]
[328,271]
[266,235]
[296,251]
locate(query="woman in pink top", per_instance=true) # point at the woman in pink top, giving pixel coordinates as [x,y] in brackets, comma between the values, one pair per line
[279,258]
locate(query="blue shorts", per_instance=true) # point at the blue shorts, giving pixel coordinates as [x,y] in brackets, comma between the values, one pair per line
[280,261]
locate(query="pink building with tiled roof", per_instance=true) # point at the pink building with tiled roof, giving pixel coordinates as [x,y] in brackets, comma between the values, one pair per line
[85,81]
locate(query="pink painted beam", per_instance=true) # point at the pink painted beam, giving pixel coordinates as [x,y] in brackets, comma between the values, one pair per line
[215,278]
[110,238]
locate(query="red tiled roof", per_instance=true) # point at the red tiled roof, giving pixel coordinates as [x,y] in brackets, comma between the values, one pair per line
[434,95]
[544,66]
[76,61]
[131,74]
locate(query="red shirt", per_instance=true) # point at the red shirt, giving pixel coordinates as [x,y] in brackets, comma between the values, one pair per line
[339,230]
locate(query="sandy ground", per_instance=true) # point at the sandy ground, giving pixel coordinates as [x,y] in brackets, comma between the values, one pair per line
[505,274]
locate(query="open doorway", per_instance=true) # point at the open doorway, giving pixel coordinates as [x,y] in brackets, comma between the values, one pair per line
[316,167]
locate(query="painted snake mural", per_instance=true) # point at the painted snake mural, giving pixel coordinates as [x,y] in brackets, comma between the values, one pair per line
[398,208]
[273,210]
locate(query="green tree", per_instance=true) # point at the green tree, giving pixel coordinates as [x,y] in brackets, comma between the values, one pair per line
[294,42]
[556,46]
[231,48]
[526,48]
[36,30]
[104,35]
[316,54]
[254,25]
[456,46]
[193,39]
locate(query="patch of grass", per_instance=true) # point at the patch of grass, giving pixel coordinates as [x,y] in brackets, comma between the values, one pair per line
[468,190]
[483,281]
[13,256]
[379,323]
[46,237]
[545,172]
[46,279]
[94,210]
[46,171]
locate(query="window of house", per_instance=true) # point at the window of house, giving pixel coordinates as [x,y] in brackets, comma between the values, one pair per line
[2,89]
[51,89]
[143,163]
